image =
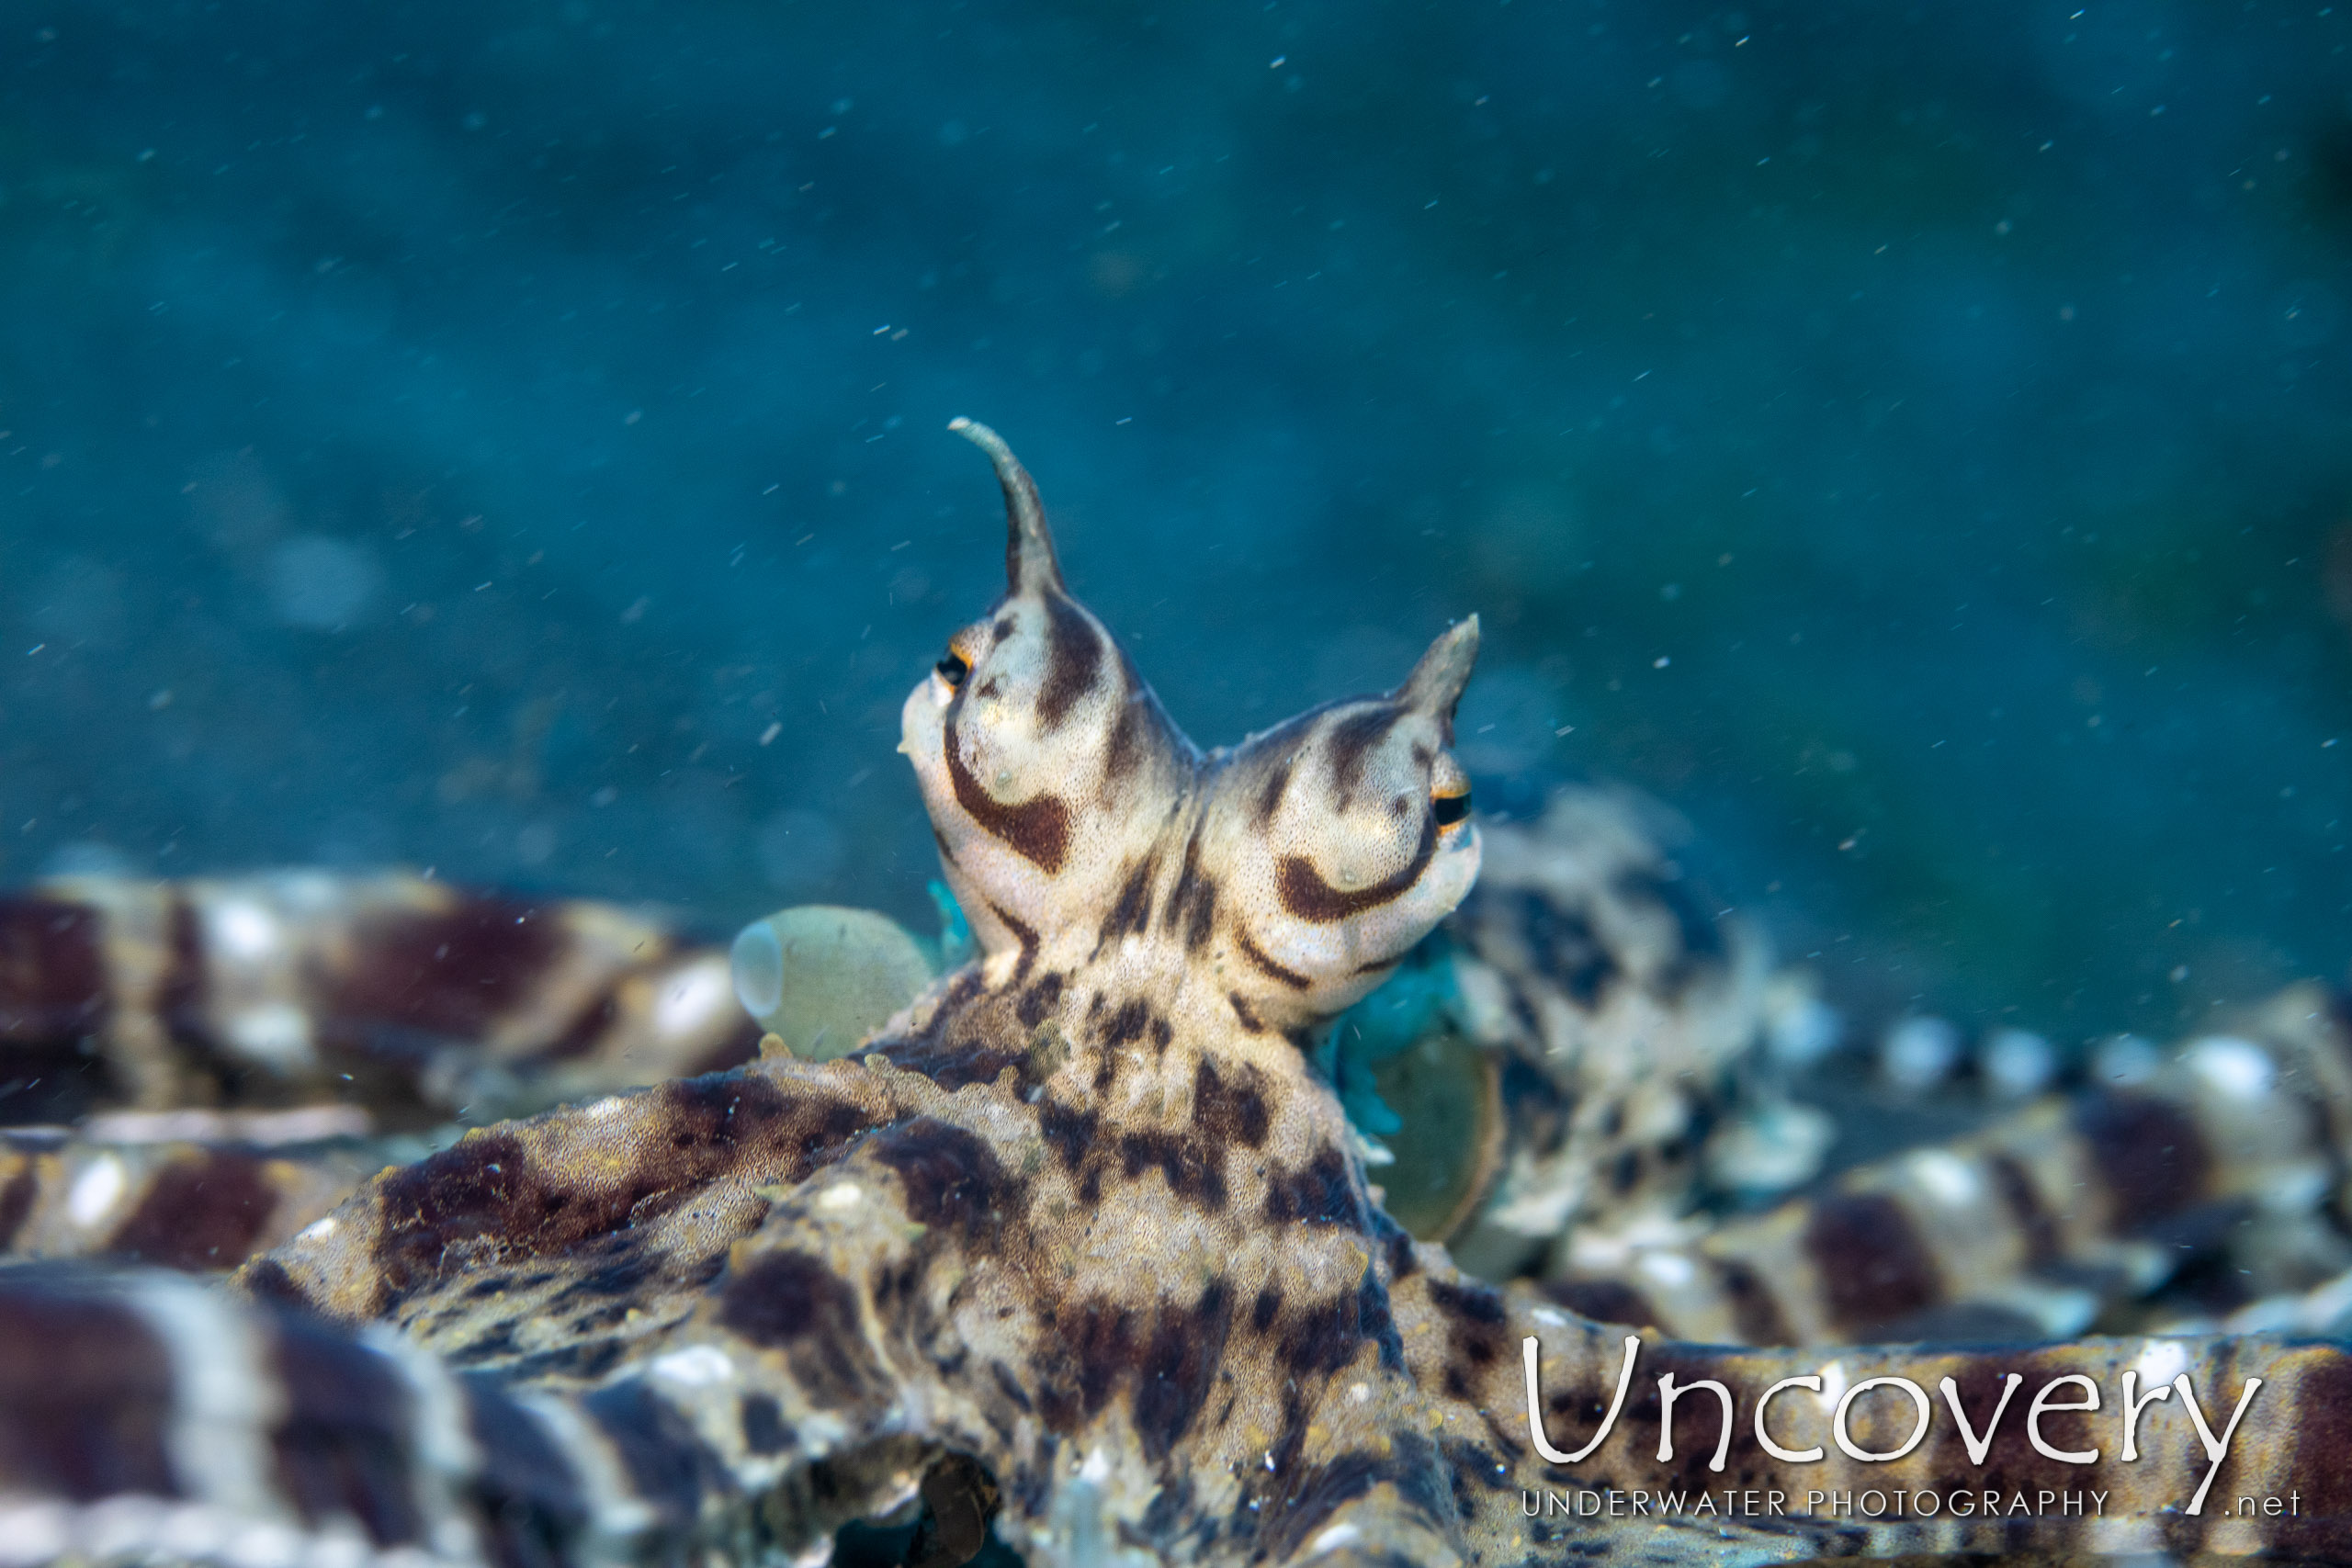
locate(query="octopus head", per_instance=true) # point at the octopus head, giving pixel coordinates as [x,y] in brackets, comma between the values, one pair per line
[1295,870]
[1343,837]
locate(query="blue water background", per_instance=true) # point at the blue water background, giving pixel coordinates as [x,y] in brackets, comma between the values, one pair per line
[508,437]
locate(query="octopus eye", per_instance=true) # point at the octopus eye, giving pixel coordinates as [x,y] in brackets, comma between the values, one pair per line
[1449,808]
[953,670]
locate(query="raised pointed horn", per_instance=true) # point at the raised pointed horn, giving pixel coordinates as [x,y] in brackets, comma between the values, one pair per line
[1029,563]
[1436,683]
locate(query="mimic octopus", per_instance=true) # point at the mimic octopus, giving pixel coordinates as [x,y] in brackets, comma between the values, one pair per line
[1078,1257]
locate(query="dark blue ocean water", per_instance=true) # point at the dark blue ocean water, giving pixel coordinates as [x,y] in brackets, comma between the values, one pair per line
[1910,440]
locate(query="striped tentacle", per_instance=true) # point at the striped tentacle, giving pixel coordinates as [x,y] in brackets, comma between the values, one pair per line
[394,990]
[2039,1223]
[199,1205]
[146,1417]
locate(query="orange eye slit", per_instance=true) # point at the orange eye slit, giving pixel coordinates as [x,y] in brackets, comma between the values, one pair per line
[1449,808]
[953,670]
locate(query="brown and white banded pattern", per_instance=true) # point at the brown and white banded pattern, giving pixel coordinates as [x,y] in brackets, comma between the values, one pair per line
[191,1071]
[145,1417]
[202,1205]
[402,993]
[2047,1221]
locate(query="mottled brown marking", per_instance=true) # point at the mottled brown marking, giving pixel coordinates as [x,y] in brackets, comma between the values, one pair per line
[1603,1301]
[1193,1171]
[1232,1112]
[1350,744]
[1192,905]
[1307,895]
[1265,964]
[954,1182]
[1037,830]
[1168,1357]
[201,1211]
[789,1301]
[1130,913]
[1040,1001]
[1315,1339]
[52,970]
[1874,1266]
[1474,1464]
[1096,1341]
[1024,934]
[2043,1243]
[620,1277]
[1179,1366]
[1106,1068]
[1073,661]
[952,1067]
[1755,1310]
[450,974]
[1128,1025]
[1270,798]
[668,1464]
[1321,1193]
[86,1397]
[180,995]
[1069,1131]
[1477,1327]
[2149,1154]
[1304,1497]
[485,1198]
[2323,1438]
[342,1446]
[1123,752]
[16,1194]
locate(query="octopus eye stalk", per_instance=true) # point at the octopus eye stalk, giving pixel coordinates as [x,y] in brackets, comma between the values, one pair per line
[953,670]
[1030,565]
[1436,683]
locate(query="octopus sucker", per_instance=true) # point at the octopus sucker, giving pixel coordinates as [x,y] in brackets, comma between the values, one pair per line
[1081,1248]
